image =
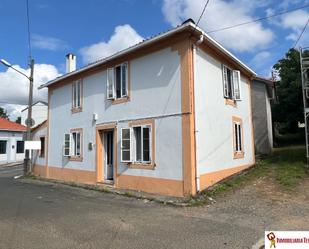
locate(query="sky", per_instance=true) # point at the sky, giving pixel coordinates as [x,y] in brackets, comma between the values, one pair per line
[94,29]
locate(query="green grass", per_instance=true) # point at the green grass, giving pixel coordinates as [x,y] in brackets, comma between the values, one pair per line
[286,166]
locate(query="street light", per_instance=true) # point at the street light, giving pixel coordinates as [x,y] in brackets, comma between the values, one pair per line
[27,163]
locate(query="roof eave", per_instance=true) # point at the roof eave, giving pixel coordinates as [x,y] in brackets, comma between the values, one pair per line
[188,25]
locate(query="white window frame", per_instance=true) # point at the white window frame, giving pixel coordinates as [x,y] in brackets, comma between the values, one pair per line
[111,87]
[72,145]
[77,94]
[130,143]
[142,144]
[235,80]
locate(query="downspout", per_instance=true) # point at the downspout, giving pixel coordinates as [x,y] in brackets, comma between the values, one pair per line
[197,171]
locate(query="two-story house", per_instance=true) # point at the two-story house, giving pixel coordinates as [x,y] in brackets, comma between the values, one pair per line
[170,115]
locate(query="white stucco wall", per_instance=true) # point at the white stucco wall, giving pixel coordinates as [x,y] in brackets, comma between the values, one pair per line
[155,93]
[36,159]
[11,155]
[39,114]
[214,136]
[269,122]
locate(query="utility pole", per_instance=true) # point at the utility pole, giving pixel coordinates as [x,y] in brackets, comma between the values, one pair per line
[304,65]
[27,161]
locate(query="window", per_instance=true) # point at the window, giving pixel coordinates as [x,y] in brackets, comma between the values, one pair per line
[42,151]
[231,83]
[126,145]
[3,146]
[77,94]
[117,82]
[73,144]
[136,144]
[20,147]
[238,138]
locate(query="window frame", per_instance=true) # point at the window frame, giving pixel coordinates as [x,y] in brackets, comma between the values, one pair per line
[142,165]
[42,155]
[238,138]
[231,91]
[134,148]
[112,87]
[75,94]
[6,147]
[72,155]
[22,147]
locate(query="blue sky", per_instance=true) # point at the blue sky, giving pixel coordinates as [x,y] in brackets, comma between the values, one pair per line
[93,29]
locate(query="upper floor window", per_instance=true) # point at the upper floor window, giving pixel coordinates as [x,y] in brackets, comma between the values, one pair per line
[77,95]
[117,81]
[231,83]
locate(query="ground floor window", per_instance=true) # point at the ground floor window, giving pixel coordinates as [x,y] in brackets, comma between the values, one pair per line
[238,143]
[3,146]
[137,143]
[42,151]
[20,147]
[73,144]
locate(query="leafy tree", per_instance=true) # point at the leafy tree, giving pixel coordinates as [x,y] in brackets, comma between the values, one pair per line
[289,109]
[18,120]
[3,113]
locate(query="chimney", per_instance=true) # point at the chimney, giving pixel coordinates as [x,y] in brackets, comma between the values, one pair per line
[70,63]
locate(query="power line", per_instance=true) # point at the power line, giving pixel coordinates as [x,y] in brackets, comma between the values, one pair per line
[202,12]
[29,39]
[302,32]
[258,19]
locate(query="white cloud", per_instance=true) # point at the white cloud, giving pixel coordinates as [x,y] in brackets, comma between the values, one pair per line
[48,43]
[260,58]
[124,36]
[220,14]
[14,87]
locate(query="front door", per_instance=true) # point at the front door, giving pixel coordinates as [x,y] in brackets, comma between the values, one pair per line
[108,155]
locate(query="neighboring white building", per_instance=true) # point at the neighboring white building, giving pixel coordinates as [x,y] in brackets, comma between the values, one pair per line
[11,141]
[39,113]
[171,115]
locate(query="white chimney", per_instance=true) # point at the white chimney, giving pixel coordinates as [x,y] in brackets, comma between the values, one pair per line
[70,63]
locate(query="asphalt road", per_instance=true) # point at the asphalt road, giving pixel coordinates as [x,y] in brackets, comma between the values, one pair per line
[45,215]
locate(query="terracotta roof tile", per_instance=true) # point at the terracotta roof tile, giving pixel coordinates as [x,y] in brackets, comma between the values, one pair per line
[8,125]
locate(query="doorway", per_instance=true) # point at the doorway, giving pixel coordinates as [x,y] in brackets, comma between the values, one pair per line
[108,156]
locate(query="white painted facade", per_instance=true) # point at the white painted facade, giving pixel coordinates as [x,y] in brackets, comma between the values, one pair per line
[155,93]
[39,113]
[37,158]
[11,155]
[214,128]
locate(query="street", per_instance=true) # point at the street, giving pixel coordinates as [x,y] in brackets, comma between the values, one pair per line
[47,215]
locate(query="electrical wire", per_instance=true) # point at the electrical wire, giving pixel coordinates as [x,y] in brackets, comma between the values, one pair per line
[301,34]
[207,2]
[257,20]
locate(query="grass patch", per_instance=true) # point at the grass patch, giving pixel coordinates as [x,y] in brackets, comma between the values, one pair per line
[286,166]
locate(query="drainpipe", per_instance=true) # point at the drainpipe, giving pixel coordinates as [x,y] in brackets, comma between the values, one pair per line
[197,171]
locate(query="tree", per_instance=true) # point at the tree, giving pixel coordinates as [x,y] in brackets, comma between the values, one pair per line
[289,110]
[18,120]
[3,113]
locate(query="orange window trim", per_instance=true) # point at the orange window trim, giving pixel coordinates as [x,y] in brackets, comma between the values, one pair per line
[127,98]
[230,102]
[80,157]
[238,154]
[152,164]
[80,108]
